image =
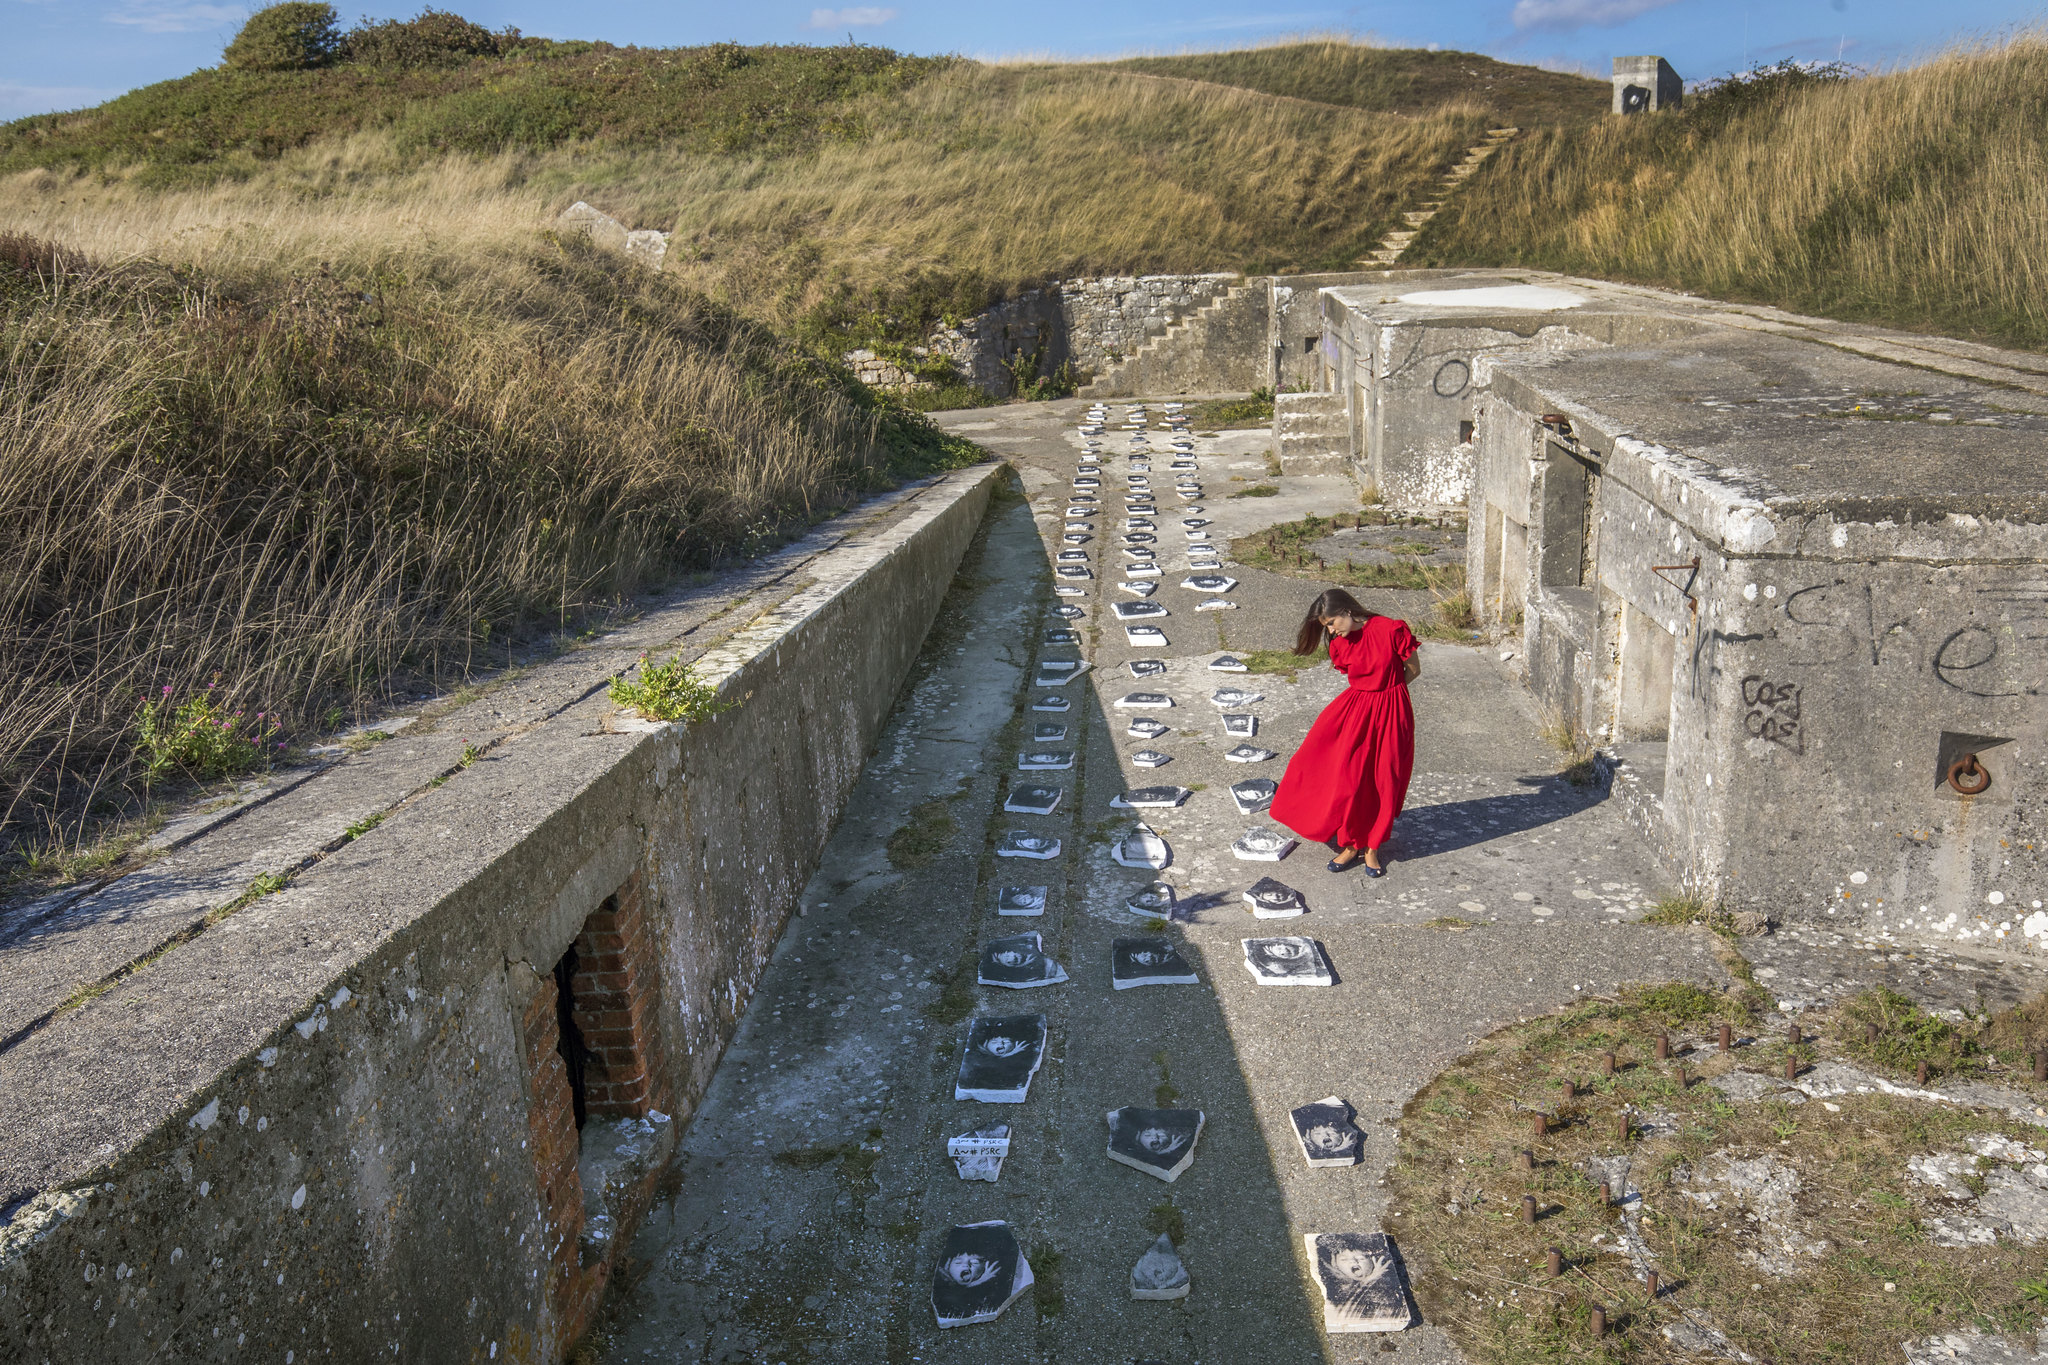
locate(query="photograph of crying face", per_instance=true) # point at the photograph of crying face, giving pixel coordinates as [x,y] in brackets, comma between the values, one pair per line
[1018,961]
[981,1270]
[1359,1274]
[1328,1133]
[1000,1058]
[1148,962]
[1286,962]
[1159,1142]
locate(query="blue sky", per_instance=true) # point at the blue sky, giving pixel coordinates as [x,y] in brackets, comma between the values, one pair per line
[64,54]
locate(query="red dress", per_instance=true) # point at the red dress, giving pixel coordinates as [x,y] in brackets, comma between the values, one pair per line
[1349,777]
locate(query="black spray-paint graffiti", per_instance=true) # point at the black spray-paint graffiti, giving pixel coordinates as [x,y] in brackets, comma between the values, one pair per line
[2000,654]
[1773,712]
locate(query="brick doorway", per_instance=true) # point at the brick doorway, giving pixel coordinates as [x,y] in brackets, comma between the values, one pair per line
[592,1044]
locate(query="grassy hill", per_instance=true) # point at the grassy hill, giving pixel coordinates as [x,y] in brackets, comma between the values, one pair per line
[300,397]
[303,407]
[1393,80]
[529,94]
[1916,199]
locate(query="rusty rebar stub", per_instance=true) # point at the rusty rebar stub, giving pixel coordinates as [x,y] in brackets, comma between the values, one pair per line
[1968,776]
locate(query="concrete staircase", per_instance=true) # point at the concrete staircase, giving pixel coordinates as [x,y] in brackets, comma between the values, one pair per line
[1310,432]
[1396,242]
[1173,361]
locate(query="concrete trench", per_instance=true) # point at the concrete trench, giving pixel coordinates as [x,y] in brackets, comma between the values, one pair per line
[812,1188]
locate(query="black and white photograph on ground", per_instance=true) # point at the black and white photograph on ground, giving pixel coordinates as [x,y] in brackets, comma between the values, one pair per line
[1152,899]
[1328,1131]
[1048,732]
[1228,663]
[1141,589]
[1230,698]
[1142,847]
[1018,961]
[1144,727]
[1068,613]
[1147,668]
[1000,1058]
[1033,800]
[1060,635]
[1144,701]
[1360,1276]
[1241,724]
[1140,570]
[1150,798]
[1052,701]
[1069,590]
[1138,611]
[981,1272]
[1159,1142]
[1248,753]
[1148,962]
[1151,758]
[1255,795]
[1262,845]
[1044,760]
[1074,571]
[1216,604]
[1022,843]
[1287,962]
[1020,900]
[1271,899]
[1058,672]
[979,1155]
[1159,1274]
[1145,637]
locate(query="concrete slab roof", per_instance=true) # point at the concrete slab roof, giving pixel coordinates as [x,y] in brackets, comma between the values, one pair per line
[1518,301]
[1806,426]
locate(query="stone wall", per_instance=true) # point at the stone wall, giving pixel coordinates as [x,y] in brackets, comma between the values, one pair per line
[1108,319]
[989,348]
[337,1121]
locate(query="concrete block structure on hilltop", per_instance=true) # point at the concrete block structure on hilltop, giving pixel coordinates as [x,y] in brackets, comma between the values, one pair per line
[1791,575]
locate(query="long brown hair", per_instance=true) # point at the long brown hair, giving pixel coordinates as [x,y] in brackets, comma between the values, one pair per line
[1329,602]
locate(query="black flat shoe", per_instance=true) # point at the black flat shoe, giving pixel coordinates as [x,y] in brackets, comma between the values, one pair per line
[1336,866]
[1370,870]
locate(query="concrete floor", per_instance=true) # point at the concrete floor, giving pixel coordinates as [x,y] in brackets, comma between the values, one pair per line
[813,1187]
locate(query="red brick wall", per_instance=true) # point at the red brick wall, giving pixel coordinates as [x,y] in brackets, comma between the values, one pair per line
[552,1122]
[614,999]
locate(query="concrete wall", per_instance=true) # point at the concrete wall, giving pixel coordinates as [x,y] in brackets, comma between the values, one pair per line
[317,1128]
[1785,711]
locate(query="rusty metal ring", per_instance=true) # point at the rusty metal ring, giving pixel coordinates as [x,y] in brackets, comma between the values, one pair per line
[1968,776]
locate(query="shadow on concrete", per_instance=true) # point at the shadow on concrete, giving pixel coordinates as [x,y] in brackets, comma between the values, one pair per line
[1450,826]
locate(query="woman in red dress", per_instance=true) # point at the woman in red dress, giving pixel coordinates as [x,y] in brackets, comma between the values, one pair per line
[1346,782]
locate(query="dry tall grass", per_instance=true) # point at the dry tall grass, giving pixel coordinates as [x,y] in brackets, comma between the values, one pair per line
[1917,198]
[1014,175]
[327,426]
[325,455]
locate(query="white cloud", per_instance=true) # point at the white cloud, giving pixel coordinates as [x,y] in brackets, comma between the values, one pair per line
[180,18]
[19,101]
[858,16]
[1569,14]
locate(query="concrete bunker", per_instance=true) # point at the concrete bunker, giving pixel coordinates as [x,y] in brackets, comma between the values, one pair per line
[1788,589]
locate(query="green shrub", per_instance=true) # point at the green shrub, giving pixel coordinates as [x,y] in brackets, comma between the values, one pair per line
[668,691]
[295,36]
[434,38]
[200,737]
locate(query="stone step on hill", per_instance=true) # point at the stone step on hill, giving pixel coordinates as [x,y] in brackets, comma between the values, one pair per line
[1311,431]
[1394,243]
[1217,348]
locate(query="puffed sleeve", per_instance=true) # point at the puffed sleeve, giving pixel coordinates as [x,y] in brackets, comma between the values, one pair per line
[1401,640]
